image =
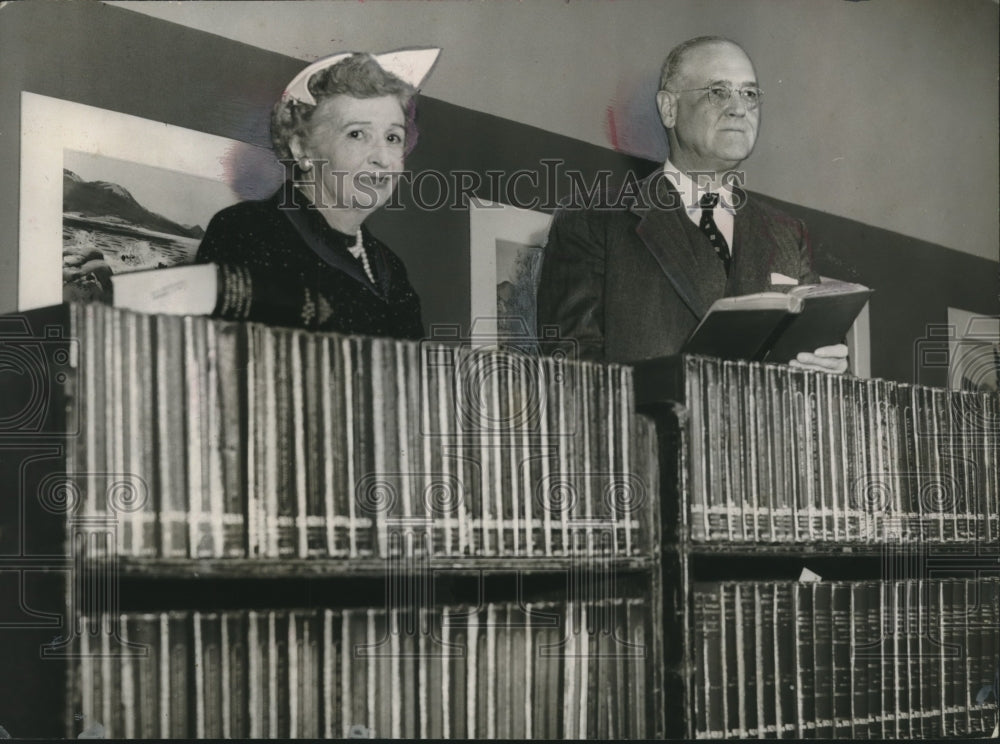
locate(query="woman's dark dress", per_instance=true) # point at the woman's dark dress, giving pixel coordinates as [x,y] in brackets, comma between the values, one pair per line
[303,274]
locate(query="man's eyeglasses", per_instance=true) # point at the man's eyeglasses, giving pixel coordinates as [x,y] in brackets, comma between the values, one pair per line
[720,95]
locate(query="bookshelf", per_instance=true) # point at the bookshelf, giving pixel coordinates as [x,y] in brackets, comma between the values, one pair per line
[886,492]
[225,530]
[231,530]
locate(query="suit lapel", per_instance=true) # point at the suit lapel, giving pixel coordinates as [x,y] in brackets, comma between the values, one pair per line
[752,256]
[690,271]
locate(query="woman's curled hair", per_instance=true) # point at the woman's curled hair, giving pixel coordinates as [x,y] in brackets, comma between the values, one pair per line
[358,76]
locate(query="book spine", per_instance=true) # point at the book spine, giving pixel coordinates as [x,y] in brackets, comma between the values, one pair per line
[823,667]
[229,467]
[786,640]
[859,663]
[302,486]
[843,692]
[711,600]
[805,659]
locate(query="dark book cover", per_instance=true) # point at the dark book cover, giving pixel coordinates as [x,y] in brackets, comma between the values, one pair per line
[718,522]
[860,638]
[541,708]
[812,479]
[805,617]
[287,420]
[913,668]
[836,457]
[713,659]
[332,664]
[361,432]
[797,437]
[788,661]
[483,671]
[210,632]
[766,628]
[520,691]
[140,438]
[874,648]
[701,671]
[841,617]
[281,630]
[853,472]
[749,663]
[180,655]
[637,613]
[761,455]
[823,669]
[236,649]
[338,458]
[700,445]
[144,630]
[314,447]
[778,446]
[733,670]
[776,326]
[171,435]
[931,645]
[407,630]
[737,513]
[887,660]
[231,356]
[910,496]
[311,671]
[458,695]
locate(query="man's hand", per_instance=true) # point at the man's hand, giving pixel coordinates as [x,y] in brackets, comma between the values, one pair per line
[824,359]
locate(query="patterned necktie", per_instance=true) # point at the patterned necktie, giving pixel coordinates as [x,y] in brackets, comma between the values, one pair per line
[708,226]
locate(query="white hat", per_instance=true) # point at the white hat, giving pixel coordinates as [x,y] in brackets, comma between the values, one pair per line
[409,65]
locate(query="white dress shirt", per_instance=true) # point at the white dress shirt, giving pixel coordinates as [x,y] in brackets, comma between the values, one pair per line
[691,193]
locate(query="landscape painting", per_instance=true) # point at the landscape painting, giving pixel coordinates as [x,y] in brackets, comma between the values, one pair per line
[120,217]
[104,193]
[518,268]
[506,258]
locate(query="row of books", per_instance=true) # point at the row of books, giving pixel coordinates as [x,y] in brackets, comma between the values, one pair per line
[205,438]
[499,670]
[829,659]
[777,454]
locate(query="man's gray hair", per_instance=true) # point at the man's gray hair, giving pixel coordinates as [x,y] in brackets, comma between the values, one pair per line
[672,64]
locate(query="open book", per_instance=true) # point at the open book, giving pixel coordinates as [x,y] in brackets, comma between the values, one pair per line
[775,326]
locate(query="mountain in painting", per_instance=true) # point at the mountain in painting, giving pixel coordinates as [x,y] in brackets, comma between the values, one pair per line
[109,201]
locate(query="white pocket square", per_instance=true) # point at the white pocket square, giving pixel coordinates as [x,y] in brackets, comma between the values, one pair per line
[781,279]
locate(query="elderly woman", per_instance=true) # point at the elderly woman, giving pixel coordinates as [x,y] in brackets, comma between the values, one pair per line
[344,125]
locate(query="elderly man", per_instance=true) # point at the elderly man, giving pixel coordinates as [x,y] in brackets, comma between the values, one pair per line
[632,282]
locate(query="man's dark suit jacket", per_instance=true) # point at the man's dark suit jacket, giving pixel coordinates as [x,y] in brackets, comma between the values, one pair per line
[303,274]
[632,283]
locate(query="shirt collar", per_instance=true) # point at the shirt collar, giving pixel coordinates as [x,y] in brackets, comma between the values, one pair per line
[691,193]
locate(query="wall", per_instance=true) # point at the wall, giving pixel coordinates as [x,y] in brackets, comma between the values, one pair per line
[871,109]
[129,62]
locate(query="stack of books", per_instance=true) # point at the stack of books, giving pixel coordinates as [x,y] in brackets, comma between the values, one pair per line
[506,670]
[784,455]
[207,438]
[906,659]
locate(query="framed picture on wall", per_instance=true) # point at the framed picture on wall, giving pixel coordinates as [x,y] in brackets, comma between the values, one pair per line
[506,258]
[973,351]
[104,193]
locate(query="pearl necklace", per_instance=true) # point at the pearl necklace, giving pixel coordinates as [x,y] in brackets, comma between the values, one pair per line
[358,251]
